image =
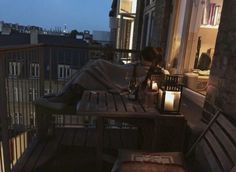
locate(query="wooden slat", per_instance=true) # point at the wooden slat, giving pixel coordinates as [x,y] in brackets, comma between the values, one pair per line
[225,141]
[127,104]
[119,104]
[228,126]
[107,138]
[110,103]
[202,134]
[210,157]
[68,137]
[218,151]
[80,137]
[102,102]
[84,101]
[129,138]
[138,107]
[91,138]
[22,162]
[93,104]
[115,138]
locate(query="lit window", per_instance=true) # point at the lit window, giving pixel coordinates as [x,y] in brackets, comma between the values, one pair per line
[64,72]
[34,70]
[14,68]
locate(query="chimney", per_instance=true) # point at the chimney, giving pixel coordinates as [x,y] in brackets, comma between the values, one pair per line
[34,36]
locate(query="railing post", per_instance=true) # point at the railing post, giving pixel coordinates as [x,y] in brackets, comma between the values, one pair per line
[3,115]
[41,54]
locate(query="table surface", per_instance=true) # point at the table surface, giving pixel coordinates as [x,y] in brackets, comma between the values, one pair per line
[105,104]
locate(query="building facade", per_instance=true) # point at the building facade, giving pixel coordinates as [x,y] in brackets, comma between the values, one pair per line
[197,38]
[185,30]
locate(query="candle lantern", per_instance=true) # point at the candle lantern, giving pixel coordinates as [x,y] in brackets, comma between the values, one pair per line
[169,96]
[155,78]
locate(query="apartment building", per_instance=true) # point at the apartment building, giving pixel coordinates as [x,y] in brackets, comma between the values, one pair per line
[23,71]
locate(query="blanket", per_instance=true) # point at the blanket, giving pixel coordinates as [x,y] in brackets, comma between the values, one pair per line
[103,75]
[96,75]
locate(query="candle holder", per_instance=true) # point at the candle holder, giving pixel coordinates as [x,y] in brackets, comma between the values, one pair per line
[155,78]
[169,96]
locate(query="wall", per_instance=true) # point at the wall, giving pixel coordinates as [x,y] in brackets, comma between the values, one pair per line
[222,84]
[138,25]
[160,6]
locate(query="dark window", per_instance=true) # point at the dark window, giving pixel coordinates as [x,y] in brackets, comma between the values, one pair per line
[151,27]
[145,28]
[147,2]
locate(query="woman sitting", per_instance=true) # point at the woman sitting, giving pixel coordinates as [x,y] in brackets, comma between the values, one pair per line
[103,75]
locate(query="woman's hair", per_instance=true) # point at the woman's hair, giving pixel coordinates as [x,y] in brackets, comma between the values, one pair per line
[152,54]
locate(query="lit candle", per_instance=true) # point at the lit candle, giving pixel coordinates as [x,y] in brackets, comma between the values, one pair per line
[154,86]
[169,101]
[149,83]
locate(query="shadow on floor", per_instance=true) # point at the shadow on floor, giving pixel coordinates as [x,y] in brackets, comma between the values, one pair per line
[73,159]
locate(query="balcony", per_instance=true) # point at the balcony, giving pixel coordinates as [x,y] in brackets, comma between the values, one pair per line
[29,72]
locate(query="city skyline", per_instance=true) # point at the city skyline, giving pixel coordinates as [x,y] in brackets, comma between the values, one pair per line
[75,14]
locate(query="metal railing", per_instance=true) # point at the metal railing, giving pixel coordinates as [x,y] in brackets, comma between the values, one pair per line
[30,71]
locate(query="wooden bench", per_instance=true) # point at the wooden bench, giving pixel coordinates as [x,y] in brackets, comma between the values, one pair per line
[213,151]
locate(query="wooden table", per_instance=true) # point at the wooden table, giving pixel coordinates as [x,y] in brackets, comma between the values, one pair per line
[103,105]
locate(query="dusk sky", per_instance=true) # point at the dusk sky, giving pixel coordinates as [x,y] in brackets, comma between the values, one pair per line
[76,14]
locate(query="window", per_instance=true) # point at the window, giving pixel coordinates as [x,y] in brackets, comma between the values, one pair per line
[127,6]
[145,30]
[14,68]
[17,118]
[63,72]
[17,94]
[201,46]
[151,27]
[34,70]
[33,94]
[47,91]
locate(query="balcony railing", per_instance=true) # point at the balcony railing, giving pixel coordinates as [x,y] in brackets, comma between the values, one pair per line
[28,72]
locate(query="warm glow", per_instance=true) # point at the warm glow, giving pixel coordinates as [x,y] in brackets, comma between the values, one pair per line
[149,83]
[131,36]
[127,6]
[154,85]
[169,101]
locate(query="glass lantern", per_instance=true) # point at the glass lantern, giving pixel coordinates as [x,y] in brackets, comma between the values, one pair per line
[169,96]
[155,78]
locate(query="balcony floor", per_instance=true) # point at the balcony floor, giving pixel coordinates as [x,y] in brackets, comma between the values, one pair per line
[73,149]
